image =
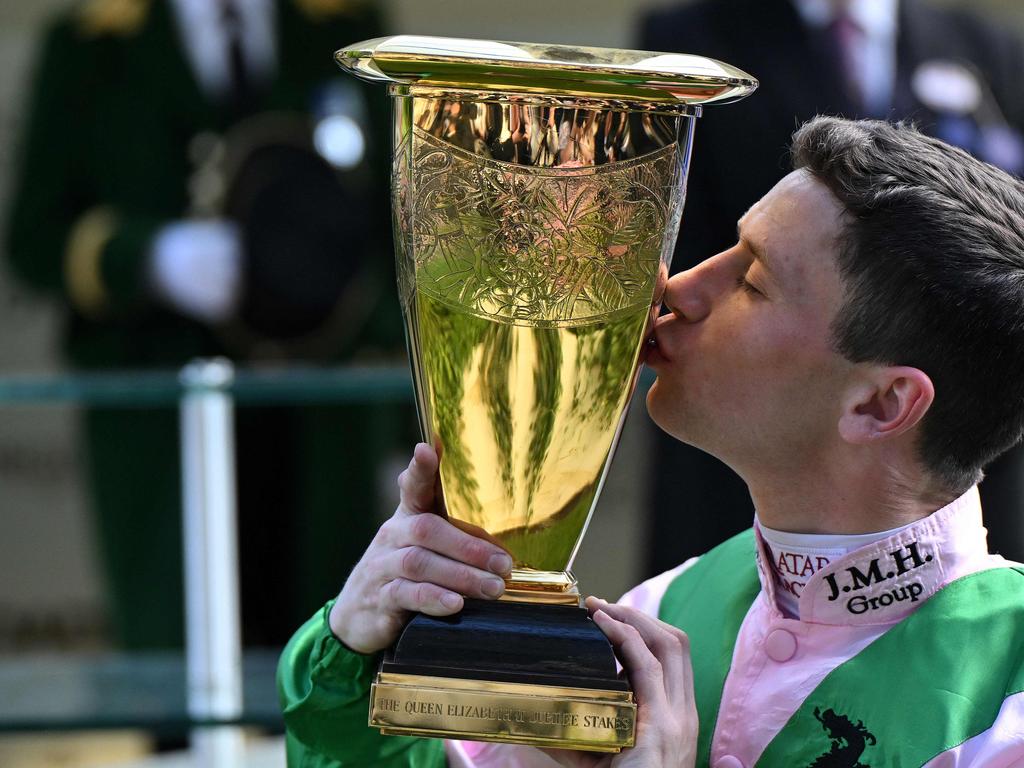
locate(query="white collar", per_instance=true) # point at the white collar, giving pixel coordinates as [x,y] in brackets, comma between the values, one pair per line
[797,556]
[882,582]
[210,9]
[204,39]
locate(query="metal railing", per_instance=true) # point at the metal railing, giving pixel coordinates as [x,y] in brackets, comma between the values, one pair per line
[206,392]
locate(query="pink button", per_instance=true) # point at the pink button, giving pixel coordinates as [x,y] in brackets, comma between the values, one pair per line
[728,761]
[780,645]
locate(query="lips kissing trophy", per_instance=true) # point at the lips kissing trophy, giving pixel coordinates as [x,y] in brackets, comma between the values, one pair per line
[537,192]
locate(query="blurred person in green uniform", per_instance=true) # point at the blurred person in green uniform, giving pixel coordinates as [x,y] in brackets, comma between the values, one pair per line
[197,179]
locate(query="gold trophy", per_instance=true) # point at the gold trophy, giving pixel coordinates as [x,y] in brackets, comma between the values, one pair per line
[537,193]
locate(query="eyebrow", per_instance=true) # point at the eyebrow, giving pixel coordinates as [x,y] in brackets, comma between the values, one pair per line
[755,249]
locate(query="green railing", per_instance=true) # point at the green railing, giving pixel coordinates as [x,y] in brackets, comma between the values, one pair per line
[70,691]
[145,389]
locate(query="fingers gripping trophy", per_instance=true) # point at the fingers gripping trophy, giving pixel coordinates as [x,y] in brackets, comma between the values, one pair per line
[537,193]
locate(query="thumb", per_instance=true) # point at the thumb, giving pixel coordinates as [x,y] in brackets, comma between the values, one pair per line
[416,483]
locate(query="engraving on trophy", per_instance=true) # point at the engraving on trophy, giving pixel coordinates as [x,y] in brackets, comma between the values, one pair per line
[530,293]
[537,193]
[401,211]
[605,721]
[534,245]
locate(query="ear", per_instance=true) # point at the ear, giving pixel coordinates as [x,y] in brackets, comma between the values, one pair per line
[887,402]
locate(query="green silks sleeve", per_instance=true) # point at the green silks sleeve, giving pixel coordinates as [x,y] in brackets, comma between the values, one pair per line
[325,696]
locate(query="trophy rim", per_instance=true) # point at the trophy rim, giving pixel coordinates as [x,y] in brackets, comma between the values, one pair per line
[629,76]
[539,98]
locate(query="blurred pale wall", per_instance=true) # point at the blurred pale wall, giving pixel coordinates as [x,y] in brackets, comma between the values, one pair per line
[47,565]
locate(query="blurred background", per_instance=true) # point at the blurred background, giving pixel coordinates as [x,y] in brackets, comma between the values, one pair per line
[90,537]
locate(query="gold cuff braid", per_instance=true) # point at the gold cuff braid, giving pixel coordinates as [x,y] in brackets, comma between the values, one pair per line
[83,259]
[111,17]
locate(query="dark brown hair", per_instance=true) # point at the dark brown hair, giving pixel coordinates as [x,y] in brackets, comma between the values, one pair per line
[932,263]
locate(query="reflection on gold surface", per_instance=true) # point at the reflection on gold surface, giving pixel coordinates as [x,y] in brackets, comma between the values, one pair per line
[524,418]
[517,713]
[531,240]
[539,134]
[537,193]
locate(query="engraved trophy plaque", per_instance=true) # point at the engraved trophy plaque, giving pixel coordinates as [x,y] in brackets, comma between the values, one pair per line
[537,193]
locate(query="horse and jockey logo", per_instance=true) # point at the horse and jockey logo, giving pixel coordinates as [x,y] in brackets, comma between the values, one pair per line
[848,741]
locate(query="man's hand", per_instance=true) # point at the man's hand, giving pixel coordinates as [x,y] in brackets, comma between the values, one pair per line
[656,657]
[418,561]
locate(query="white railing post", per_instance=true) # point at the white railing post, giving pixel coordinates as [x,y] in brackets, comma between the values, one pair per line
[212,612]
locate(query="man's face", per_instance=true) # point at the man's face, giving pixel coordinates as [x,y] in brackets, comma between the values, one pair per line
[745,368]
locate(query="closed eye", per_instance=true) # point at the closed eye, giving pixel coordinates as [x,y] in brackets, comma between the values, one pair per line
[741,282]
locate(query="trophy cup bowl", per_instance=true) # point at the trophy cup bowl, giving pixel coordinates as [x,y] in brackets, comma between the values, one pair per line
[537,193]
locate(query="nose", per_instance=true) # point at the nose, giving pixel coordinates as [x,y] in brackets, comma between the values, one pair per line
[691,294]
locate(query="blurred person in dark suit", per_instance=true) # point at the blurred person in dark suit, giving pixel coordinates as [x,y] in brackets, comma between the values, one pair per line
[952,73]
[197,179]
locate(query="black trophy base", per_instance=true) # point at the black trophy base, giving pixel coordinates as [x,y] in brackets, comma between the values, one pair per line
[518,673]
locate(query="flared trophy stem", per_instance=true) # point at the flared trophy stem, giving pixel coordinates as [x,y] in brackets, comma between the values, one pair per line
[527,585]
